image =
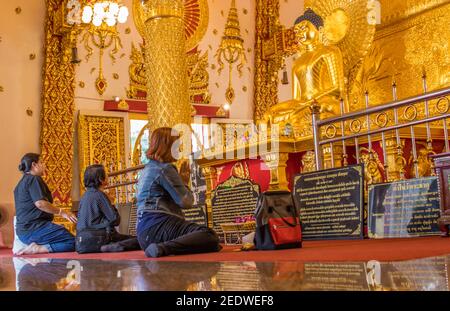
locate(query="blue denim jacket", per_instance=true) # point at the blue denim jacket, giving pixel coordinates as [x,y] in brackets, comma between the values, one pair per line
[160,189]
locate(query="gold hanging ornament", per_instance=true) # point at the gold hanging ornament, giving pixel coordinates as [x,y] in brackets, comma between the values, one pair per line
[101,32]
[231,50]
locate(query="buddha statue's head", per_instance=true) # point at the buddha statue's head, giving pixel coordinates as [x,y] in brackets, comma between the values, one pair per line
[307,27]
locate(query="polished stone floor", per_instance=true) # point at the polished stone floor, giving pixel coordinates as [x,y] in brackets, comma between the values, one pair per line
[428,274]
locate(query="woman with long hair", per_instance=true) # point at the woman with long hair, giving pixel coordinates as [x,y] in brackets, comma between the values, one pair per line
[35,211]
[162,195]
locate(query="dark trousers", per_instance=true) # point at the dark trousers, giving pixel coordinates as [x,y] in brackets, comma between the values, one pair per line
[177,236]
[128,242]
[55,237]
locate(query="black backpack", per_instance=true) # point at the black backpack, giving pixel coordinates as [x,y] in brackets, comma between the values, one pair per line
[277,221]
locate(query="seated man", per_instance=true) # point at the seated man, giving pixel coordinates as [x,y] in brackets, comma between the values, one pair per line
[98,218]
[34,212]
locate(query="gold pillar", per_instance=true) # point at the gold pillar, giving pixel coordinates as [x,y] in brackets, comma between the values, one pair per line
[58,93]
[276,162]
[210,174]
[165,60]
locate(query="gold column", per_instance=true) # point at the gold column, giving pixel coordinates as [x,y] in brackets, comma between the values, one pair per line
[210,174]
[266,71]
[165,60]
[58,93]
[276,162]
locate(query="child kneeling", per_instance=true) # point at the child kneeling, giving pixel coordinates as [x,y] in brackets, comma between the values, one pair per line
[97,218]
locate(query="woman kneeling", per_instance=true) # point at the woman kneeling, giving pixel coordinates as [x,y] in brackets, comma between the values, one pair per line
[162,194]
[34,212]
[97,218]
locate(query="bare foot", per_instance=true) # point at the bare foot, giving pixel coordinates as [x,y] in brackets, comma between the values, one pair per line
[33,248]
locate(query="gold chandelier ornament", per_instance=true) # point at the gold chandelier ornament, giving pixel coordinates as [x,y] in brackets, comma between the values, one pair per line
[102,18]
[231,50]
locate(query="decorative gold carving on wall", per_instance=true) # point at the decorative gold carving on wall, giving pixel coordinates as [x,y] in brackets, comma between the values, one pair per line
[56,139]
[410,40]
[198,76]
[231,50]
[101,141]
[266,70]
[101,37]
[138,79]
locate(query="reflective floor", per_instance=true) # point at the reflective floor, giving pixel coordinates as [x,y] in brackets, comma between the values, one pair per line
[429,274]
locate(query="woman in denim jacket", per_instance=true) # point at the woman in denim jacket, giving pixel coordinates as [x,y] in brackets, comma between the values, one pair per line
[162,194]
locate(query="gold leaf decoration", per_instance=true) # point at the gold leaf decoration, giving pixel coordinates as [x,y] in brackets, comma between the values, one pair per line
[116,76]
[18,10]
[245,11]
[127,30]
[244,88]
[32,56]
[81,84]
[215,31]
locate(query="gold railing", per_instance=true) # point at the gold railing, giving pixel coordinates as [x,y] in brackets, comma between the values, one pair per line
[419,117]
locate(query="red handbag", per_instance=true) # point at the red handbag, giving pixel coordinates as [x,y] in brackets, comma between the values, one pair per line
[277,222]
[285,230]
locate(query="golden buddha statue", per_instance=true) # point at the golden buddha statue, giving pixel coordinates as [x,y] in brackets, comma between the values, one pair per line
[317,75]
